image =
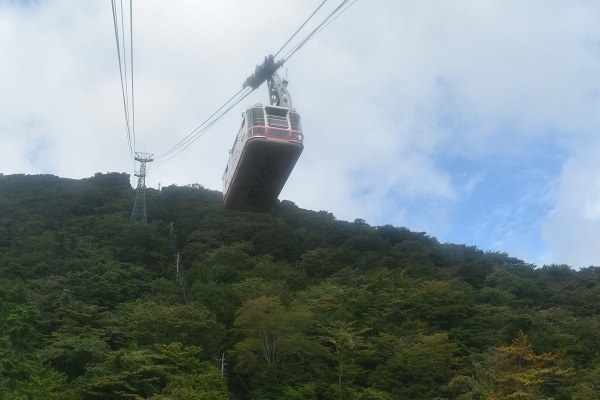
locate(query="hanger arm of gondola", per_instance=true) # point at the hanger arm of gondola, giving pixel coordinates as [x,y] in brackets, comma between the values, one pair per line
[278,93]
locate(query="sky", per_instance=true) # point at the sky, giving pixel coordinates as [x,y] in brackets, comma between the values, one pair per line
[475,121]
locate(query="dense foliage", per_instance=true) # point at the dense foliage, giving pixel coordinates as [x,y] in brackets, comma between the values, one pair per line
[298,304]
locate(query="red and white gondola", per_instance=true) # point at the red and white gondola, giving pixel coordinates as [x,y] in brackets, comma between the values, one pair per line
[264,153]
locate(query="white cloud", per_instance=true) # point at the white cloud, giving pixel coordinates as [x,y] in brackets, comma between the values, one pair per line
[572,230]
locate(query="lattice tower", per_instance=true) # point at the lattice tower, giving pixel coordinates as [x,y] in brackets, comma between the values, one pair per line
[139,207]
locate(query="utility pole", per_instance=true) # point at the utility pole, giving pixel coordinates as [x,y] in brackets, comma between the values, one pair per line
[182,279]
[185,291]
[139,207]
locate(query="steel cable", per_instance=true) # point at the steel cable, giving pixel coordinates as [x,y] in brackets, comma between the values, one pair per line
[123,75]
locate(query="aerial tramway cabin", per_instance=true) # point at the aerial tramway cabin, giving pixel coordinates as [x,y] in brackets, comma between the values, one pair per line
[264,153]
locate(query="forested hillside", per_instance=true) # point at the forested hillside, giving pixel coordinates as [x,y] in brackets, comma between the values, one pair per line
[298,304]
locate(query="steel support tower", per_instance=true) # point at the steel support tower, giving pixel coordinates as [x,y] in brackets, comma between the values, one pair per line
[139,207]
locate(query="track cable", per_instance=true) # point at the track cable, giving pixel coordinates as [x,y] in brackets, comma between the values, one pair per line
[121,55]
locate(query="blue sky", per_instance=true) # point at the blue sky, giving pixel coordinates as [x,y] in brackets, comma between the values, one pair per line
[476,122]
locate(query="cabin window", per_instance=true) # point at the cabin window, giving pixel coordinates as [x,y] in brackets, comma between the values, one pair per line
[277,117]
[256,117]
[276,111]
[275,120]
[295,122]
[298,136]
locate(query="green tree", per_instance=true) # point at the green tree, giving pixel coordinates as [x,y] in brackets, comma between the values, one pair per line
[442,304]
[147,323]
[269,330]
[72,354]
[344,347]
[26,376]
[419,367]
[125,374]
[148,372]
[21,327]
[273,345]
